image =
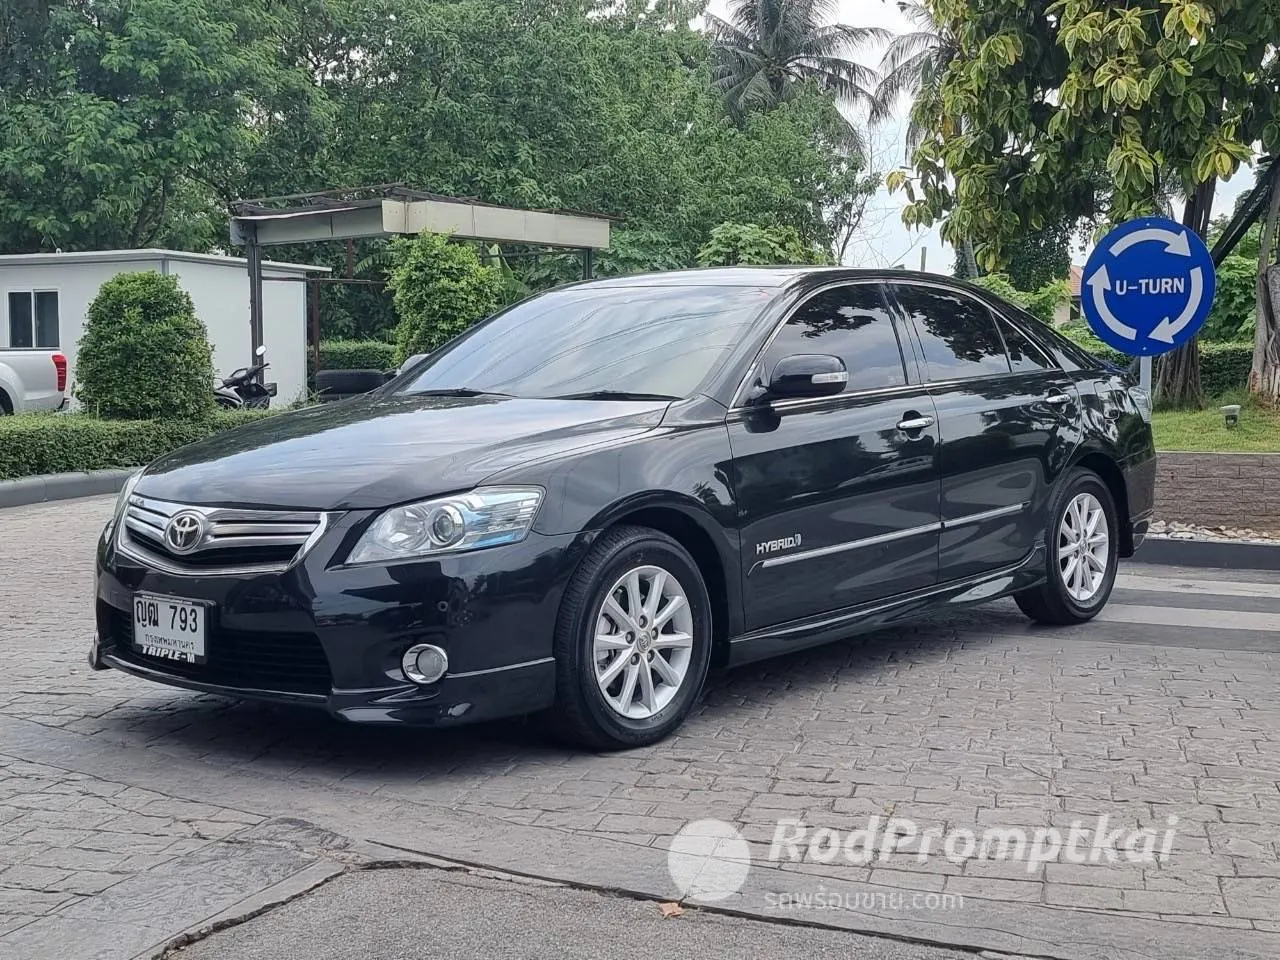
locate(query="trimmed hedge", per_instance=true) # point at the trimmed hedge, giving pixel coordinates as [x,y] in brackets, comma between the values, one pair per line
[357,355]
[37,443]
[1224,367]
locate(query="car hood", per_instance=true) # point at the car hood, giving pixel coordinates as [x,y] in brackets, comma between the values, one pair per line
[376,451]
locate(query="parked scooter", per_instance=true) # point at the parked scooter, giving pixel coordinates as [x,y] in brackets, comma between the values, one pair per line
[243,389]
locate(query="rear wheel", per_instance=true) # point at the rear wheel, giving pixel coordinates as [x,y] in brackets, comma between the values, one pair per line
[633,641]
[1082,541]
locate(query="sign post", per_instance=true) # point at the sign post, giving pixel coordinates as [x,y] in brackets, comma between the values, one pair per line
[1148,288]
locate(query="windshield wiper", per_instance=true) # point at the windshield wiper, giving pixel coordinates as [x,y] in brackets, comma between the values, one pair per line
[614,395]
[458,392]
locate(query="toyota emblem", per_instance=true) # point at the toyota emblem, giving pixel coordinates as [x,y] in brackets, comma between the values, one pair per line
[184,531]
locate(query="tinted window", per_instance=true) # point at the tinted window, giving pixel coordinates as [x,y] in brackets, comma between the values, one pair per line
[852,323]
[1024,356]
[46,319]
[656,340]
[958,333]
[20,332]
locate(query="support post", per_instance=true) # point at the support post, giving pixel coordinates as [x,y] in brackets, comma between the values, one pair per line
[313,302]
[1144,375]
[254,254]
[588,263]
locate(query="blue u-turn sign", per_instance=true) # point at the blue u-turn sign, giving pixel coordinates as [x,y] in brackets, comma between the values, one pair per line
[1148,287]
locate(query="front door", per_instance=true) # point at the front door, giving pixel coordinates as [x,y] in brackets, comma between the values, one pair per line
[1006,413]
[838,497]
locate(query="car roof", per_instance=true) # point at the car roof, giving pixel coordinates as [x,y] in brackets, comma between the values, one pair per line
[744,276]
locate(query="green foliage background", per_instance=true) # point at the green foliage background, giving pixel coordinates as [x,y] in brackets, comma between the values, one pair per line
[731,244]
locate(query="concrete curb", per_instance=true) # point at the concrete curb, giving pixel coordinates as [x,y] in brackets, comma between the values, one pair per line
[61,486]
[1218,554]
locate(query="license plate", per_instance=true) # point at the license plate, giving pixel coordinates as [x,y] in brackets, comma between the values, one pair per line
[169,629]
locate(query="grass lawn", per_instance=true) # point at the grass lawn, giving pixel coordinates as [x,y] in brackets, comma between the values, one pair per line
[1204,431]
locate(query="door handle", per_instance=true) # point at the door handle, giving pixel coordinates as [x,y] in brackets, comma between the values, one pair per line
[1057,399]
[918,423]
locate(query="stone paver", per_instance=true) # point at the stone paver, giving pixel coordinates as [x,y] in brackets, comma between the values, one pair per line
[973,721]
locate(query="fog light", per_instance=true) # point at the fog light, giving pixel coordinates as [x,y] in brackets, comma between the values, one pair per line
[424,663]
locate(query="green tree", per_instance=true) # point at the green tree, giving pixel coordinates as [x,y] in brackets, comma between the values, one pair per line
[1165,96]
[440,289]
[116,119]
[144,354]
[750,243]
[769,50]
[1234,315]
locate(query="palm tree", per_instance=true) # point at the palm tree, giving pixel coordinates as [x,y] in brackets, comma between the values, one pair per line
[912,66]
[767,50]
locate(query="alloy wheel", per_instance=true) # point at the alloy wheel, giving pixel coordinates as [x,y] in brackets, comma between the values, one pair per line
[1084,547]
[643,642]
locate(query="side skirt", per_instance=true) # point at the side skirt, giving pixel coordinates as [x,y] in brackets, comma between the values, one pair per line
[840,624]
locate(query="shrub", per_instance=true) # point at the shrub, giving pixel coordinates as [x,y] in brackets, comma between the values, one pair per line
[1041,304]
[749,243]
[34,444]
[144,354]
[440,289]
[357,355]
[1224,367]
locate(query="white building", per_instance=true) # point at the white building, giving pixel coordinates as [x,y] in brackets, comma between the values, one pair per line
[44,298]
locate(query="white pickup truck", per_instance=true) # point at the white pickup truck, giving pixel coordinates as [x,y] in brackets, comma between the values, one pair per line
[32,380]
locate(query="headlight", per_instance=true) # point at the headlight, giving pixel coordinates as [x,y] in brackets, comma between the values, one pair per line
[485,517]
[122,500]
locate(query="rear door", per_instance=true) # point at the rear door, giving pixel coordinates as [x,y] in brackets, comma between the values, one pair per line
[838,496]
[1006,414]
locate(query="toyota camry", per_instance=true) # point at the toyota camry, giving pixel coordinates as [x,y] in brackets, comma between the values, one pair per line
[580,505]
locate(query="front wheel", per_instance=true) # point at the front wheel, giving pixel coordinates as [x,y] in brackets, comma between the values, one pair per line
[1082,542]
[633,641]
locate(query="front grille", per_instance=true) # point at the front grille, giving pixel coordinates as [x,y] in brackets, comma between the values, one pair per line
[287,662]
[248,541]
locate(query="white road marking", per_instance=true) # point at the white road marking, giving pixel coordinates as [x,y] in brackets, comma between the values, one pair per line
[1223,588]
[1188,617]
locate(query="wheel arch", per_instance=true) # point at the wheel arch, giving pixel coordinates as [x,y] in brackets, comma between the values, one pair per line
[690,524]
[1105,466]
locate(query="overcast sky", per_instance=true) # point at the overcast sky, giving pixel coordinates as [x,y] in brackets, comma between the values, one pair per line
[884,241]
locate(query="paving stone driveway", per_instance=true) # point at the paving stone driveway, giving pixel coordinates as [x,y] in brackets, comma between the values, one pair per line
[113,790]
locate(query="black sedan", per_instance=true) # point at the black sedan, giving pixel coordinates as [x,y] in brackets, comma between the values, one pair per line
[579,505]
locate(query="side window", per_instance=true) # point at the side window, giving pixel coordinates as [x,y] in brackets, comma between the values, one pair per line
[958,333]
[1024,356]
[33,319]
[852,323]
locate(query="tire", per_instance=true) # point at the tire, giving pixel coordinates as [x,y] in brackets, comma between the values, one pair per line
[6,405]
[1070,593]
[592,715]
[348,382]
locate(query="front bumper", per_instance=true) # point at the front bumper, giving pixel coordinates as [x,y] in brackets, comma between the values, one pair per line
[330,636]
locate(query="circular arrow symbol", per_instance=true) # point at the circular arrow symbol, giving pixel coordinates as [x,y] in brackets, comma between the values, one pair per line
[1100,282]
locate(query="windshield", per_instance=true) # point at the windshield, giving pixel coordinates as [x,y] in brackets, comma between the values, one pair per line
[610,341]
